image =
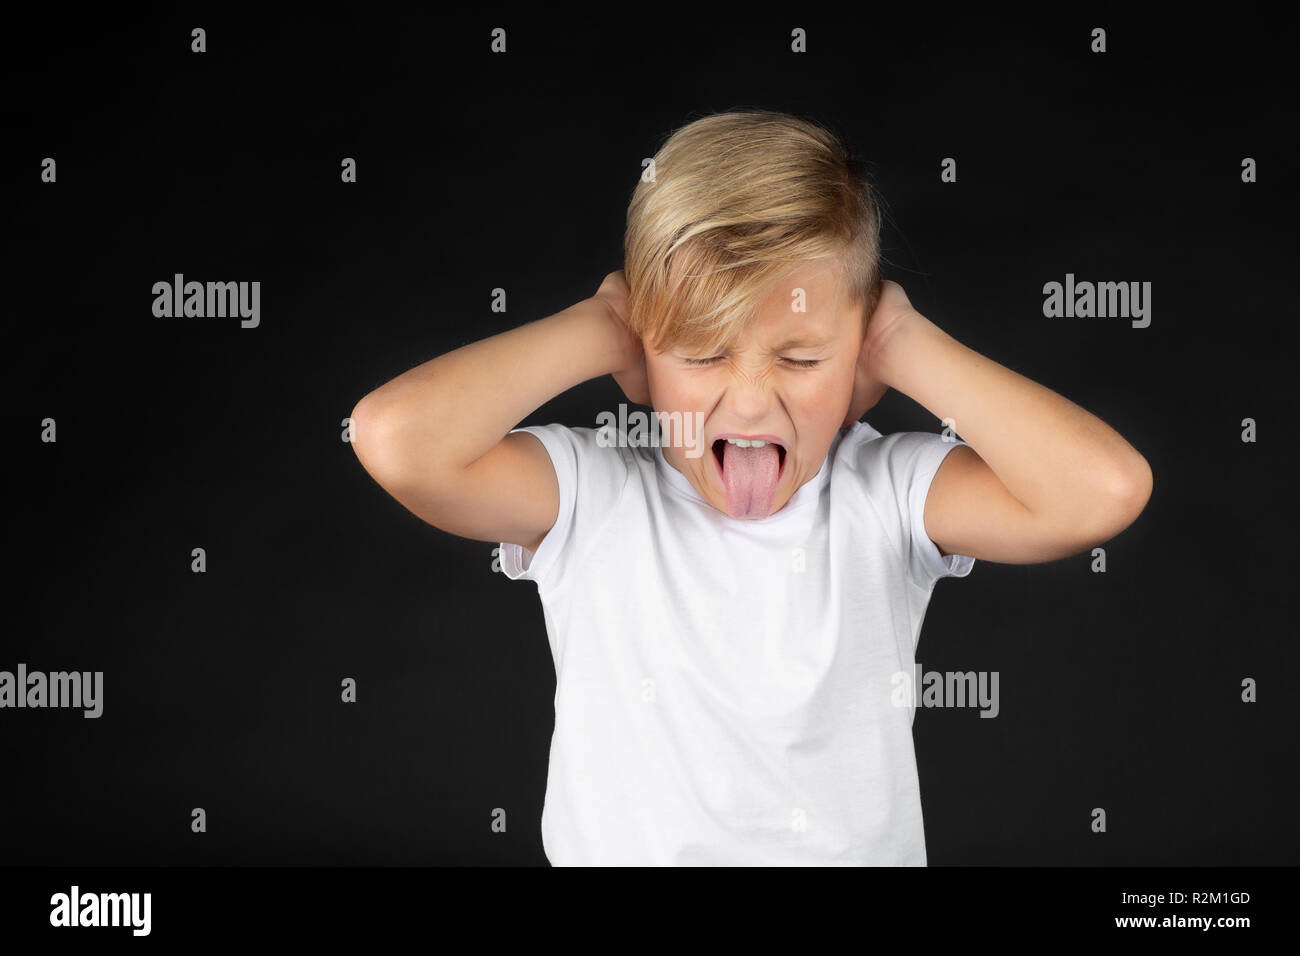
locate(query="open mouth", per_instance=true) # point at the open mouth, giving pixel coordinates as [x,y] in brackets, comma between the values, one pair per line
[719,448]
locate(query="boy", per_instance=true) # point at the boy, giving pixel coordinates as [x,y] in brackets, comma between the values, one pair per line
[730,609]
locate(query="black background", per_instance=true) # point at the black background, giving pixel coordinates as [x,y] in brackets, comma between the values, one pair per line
[221,690]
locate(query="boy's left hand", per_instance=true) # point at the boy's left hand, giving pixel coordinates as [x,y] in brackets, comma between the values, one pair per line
[892,309]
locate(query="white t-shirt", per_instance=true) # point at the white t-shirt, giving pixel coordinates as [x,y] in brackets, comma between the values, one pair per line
[725,688]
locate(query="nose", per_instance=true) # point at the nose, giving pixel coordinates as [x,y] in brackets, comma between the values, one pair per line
[750,395]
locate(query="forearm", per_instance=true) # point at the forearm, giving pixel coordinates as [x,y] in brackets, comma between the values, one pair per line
[1056,458]
[454,408]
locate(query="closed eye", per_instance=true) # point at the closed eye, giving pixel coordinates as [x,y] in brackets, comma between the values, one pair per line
[796,363]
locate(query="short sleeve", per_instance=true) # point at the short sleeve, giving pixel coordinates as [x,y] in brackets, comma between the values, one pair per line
[591,476]
[924,454]
[896,471]
[517,562]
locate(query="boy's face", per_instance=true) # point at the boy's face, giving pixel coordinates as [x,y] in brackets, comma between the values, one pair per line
[753,388]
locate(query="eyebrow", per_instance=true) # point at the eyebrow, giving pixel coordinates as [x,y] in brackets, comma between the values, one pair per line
[809,342]
[798,342]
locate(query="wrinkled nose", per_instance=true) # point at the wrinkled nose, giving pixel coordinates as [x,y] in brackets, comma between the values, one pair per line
[750,397]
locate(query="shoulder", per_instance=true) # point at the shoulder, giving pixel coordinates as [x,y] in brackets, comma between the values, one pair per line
[898,452]
[575,441]
[592,460]
[863,448]
[893,471]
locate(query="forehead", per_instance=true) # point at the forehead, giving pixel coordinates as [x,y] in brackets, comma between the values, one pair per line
[818,290]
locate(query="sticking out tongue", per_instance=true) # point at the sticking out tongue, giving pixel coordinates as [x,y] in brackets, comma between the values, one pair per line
[750,475]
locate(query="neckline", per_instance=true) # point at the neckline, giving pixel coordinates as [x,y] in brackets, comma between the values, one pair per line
[805,495]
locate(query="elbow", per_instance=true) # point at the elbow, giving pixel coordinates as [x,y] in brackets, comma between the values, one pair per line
[1132,489]
[1097,518]
[370,433]
[1125,499]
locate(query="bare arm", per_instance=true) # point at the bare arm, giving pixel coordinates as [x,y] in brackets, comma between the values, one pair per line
[435,437]
[1041,479]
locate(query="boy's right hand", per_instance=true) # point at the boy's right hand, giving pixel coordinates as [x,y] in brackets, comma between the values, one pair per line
[630,374]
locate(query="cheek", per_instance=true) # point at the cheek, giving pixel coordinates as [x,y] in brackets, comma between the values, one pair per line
[826,386]
[821,397]
[669,389]
[841,379]
[654,375]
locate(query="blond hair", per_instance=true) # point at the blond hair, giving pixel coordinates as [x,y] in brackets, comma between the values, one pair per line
[739,200]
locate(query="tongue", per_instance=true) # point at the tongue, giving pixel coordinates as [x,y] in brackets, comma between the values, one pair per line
[750,477]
